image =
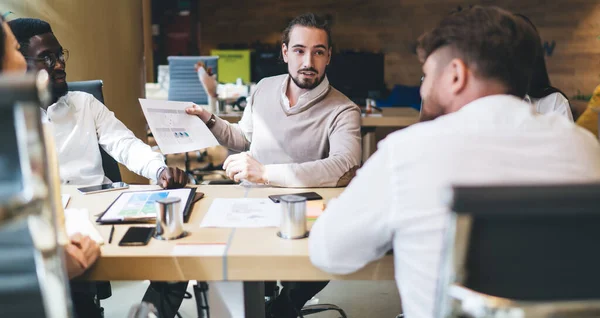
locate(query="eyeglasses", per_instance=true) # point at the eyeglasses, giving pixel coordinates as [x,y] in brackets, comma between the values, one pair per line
[51,58]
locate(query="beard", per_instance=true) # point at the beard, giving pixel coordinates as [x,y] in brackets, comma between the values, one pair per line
[59,90]
[60,86]
[430,109]
[307,83]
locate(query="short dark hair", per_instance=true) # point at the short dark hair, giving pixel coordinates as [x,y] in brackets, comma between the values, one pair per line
[496,43]
[309,20]
[26,28]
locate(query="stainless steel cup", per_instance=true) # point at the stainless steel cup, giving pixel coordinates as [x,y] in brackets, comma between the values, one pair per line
[293,217]
[169,219]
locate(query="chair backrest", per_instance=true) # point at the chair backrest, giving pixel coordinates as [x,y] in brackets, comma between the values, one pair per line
[184,84]
[109,164]
[529,243]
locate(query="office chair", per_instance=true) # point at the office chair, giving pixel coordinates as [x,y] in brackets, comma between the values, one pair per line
[306,310]
[526,251]
[109,164]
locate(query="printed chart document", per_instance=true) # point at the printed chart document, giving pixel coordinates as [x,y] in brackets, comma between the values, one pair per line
[242,213]
[174,130]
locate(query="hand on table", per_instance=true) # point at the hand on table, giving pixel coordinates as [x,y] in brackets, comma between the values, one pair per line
[244,167]
[171,178]
[81,253]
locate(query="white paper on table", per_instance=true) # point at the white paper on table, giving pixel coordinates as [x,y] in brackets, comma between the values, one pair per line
[65,200]
[242,213]
[173,129]
[78,221]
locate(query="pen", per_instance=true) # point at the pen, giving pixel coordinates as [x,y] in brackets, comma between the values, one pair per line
[112,231]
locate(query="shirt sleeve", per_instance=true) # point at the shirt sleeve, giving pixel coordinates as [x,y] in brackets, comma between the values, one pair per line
[355,228]
[119,142]
[235,136]
[335,170]
[562,106]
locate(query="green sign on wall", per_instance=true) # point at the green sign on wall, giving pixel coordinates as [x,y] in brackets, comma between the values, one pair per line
[233,64]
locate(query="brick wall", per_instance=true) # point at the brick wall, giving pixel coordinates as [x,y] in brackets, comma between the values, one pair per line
[393,26]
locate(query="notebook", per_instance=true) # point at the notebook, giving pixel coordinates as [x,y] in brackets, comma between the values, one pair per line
[78,221]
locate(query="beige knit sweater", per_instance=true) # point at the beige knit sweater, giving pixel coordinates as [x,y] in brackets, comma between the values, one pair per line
[315,143]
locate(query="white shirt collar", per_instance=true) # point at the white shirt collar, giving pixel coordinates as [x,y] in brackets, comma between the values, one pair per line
[306,97]
[494,103]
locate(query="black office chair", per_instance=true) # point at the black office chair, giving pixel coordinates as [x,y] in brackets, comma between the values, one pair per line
[109,164]
[272,291]
[527,250]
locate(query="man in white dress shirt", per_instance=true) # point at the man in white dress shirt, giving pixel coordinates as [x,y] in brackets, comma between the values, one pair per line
[81,122]
[478,130]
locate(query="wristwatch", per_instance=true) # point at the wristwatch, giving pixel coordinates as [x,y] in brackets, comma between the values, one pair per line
[211,122]
[160,170]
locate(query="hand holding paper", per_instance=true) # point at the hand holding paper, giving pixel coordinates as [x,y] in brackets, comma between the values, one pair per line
[174,130]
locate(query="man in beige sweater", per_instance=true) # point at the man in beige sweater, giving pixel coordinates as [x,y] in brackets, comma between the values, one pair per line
[297,131]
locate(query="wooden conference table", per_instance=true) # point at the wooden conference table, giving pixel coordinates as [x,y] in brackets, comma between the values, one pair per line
[214,254]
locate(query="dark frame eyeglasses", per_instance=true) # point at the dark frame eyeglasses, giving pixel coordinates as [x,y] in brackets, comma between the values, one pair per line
[51,58]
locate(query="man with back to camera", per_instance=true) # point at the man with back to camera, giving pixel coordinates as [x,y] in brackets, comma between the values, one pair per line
[477,130]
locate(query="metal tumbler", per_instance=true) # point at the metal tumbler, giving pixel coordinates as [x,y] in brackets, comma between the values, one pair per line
[293,217]
[169,219]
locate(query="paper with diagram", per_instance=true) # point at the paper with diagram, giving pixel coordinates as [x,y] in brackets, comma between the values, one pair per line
[242,213]
[173,129]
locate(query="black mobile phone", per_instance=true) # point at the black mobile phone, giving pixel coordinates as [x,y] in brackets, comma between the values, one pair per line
[137,236]
[308,195]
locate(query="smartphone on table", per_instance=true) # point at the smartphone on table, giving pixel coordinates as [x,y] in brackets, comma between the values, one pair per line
[137,236]
[308,195]
[103,187]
